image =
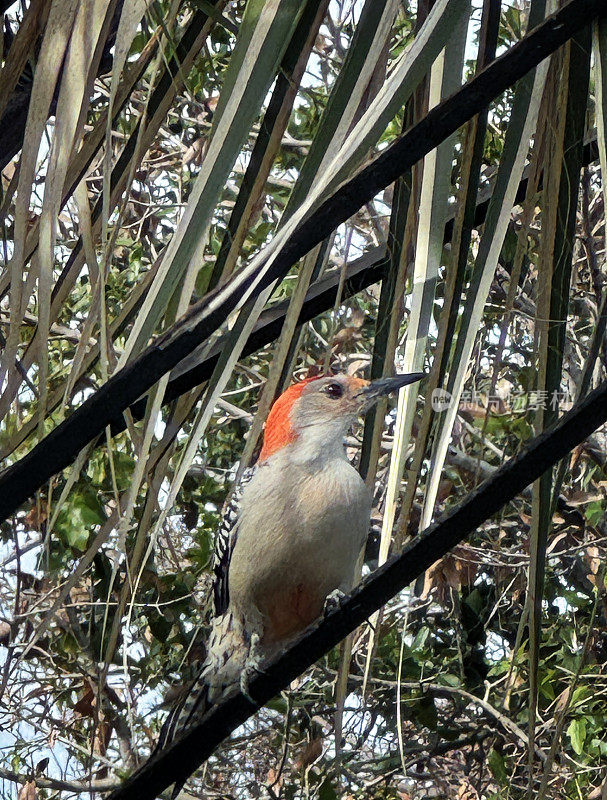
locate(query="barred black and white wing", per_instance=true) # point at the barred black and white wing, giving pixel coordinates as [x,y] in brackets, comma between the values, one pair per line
[225,539]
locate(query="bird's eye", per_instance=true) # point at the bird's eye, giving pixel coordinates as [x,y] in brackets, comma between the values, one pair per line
[334,390]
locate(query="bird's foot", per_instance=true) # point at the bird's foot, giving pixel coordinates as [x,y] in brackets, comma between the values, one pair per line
[252,666]
[334,601]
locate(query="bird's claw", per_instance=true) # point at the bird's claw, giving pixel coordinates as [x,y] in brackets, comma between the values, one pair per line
[334,601]
[252,667]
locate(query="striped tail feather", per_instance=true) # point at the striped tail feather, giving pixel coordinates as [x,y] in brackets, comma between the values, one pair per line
[193,702]
[219,673]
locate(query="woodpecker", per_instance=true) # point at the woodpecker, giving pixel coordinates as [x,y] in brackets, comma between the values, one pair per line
[289,539]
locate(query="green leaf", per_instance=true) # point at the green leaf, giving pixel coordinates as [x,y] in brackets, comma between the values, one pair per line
[446,679]
[326,791]
[277,704]
[577,734]
[123,467]
[497,767]
[159,625]
[81,511]
[594,512]
[425,713]
[420,638]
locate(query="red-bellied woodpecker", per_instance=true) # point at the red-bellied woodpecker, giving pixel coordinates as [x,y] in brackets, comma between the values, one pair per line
[290,537]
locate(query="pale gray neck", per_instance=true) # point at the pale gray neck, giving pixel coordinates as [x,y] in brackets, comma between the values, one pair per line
[319,444]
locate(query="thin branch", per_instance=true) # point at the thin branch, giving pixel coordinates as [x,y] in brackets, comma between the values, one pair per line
[447,691]
[56,783]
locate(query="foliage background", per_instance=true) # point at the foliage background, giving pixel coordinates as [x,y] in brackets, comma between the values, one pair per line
[224,119]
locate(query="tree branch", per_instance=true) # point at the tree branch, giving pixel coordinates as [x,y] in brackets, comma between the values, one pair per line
[183,756]
[58,784]
[441,690]
[57,450]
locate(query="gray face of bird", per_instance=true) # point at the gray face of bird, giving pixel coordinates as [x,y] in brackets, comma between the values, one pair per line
[342,398]
[331,399]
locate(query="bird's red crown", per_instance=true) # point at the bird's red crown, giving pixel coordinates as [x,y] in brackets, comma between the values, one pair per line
[279,431]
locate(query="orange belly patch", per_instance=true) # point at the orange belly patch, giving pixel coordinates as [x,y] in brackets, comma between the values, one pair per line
[289,613]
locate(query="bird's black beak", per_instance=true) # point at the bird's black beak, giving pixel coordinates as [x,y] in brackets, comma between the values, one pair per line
[383,386]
